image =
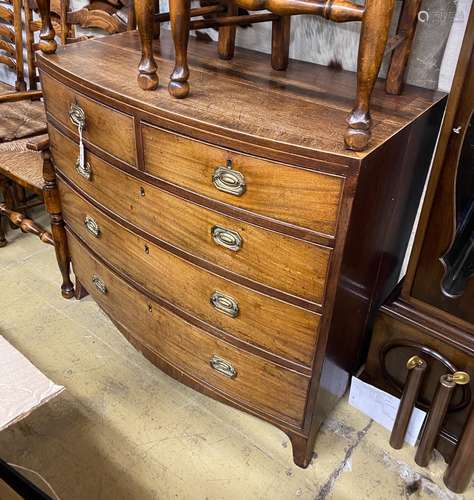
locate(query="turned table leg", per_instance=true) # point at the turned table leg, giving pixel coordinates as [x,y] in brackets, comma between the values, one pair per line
[373,39]
[53,206]
[180,18]
[147,69]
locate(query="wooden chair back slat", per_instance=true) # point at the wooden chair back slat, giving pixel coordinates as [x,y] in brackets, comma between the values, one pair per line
[6,14]
[7,47]
[30,45]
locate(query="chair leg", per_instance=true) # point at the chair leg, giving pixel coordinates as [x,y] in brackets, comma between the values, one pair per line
[8,193]
[281,42]
[26,225]
[147,69]
[226,44]
[373,39]
[180,18]
[3,240]
[398,63]
[53,206]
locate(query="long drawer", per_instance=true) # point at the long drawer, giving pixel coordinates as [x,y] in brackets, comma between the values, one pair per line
[282,329]
[240,375]
[292,195]
[293,266]
[107,128]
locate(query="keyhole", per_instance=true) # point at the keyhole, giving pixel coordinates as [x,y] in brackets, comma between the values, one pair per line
[147,249]
[142,191]
[150,309]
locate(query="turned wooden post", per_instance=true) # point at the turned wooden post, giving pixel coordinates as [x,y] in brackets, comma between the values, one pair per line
[25,224]
[399,59]
[373,39]
[180,18]
[226,42]
[147,69]
[281,29]
[3,240]
[53,206]
[47,44]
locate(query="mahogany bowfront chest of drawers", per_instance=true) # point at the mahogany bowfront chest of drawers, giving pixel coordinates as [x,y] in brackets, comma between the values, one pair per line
[230,236]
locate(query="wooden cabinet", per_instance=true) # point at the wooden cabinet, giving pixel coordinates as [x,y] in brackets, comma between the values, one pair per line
[230,236]
[433,316]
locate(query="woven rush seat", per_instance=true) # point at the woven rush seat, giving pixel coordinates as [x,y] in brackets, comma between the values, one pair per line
[5,88]
[23,166]
[21,119]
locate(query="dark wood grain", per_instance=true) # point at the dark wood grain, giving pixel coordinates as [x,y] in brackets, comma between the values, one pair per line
[324,230]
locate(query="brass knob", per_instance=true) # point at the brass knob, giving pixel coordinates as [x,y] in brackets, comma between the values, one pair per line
[415,361]
[460,378]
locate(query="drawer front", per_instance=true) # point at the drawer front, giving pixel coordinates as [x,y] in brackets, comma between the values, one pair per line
[287,264]
[243,376]
[282,329]
[295,196]
[106,128]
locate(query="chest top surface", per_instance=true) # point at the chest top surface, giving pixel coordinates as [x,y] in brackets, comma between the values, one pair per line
[302,110]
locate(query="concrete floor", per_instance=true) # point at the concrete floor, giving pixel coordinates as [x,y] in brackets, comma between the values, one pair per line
[124,430]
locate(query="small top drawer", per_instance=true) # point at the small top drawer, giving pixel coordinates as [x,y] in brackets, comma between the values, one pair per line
[292,195]
[104,127]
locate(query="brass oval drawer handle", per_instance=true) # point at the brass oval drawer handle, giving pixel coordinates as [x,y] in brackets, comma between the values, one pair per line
[226,238]
[92,226]
[229,181]
[77,115]
[222,366]
[83,170]
[99,284]
[225,304]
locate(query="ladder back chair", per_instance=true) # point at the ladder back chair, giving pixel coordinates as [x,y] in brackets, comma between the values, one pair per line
[24,154]
[375,18]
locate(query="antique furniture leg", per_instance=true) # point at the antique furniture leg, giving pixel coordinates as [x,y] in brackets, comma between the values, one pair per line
[373,38]
[416,371]
[406,27]
[281,42]
[53,206]
[459,472]
[180,17]
[302,449]
[3,240]
[26,225]
[8,198]
[226,43]
[47,44]
[147,69]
